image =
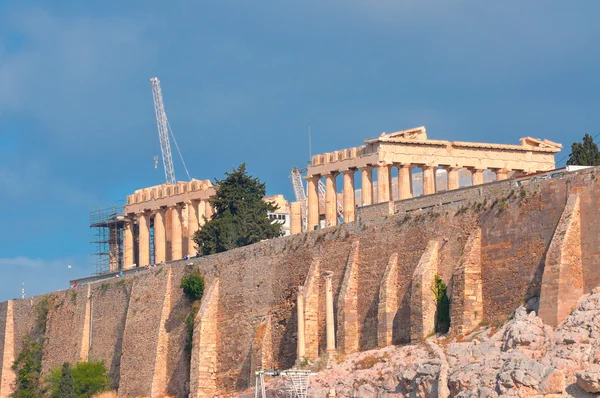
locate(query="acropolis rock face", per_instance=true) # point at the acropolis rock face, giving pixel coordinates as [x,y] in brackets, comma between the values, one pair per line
[491,244]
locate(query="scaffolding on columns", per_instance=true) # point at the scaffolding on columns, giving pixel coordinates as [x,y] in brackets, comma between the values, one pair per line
[106,239]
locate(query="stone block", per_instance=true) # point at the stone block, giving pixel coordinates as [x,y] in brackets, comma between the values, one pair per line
[204,364]
[388,303]
[347,305]
[311,310]
[422,301]
[466,310]
[7,349]
[562,282]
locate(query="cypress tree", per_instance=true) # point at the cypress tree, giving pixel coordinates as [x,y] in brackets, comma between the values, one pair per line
[584,153]
[66,387]
[240,216]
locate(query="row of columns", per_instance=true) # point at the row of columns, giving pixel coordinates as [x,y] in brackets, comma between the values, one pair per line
[329,320]
[384,184]
[186,219]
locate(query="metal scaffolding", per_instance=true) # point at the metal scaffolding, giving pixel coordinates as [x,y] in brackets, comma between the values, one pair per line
[106,239]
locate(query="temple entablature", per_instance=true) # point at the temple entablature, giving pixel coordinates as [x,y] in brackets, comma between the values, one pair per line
[401,159]
[412,147]
[168,195]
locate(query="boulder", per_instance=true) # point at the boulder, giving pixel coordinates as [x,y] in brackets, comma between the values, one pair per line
[589,379]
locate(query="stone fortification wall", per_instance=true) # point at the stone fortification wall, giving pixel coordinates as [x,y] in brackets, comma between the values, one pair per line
[137,323]
[109,304]
[65,324]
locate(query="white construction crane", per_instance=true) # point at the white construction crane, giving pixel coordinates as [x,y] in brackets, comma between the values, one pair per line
[163,134]
[300,194]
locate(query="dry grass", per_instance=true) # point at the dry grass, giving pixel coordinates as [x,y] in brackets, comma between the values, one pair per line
[106,394]
[367,362]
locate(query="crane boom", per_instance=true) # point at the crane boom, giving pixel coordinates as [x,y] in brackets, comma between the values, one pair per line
[163,132]
[300,196]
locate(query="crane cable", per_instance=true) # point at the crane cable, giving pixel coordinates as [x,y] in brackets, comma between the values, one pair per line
[178,151]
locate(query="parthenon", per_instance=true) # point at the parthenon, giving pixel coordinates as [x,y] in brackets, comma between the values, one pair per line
[407,150]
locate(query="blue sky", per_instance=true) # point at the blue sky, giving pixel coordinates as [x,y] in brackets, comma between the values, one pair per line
[242,79]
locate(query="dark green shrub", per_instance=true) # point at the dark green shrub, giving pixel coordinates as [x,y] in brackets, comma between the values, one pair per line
[88,378]
[189,323]
[442,302]
[193,286]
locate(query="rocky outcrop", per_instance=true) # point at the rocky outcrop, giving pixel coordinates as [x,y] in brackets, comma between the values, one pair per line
[522,358]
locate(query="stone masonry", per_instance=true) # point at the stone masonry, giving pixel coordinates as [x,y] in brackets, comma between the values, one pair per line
[347,306]
[131,319]
[8,349]
[422,302]
[388,303]
[562,284]
[311,310]
[467,288]
[204,365]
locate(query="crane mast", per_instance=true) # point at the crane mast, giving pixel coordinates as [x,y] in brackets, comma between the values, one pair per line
[163,132]
[300,194]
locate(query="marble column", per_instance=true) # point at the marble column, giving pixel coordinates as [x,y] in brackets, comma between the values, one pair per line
[404,182]
[366,191]
[160,238]
[428,180]
[329,322]
[383,183]
[176,243]
[501,174]
[192,227]
[349,196]
[144,239]
[295,218]
[313,201]
[201,213]
[300,311]
[477,177]
[453,180]
[330,200]
[128,257]
[208,210]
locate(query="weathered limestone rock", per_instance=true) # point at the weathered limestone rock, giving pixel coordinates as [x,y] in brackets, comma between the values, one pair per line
[262,347]
[7,375]
[466,310]
[388,303]
[422,302]
[347,308]
[589,379]
[562,283]
[311,310]
[159,379]
[204,364]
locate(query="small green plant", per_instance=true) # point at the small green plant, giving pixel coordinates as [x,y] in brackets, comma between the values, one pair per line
[442,302]
[523,192]
[189,323]
[74,297]
[503,205]
[193,286]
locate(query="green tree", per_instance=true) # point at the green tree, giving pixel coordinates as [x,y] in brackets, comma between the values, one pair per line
[66,388]
[240,216]
[584,153]
[88,378]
